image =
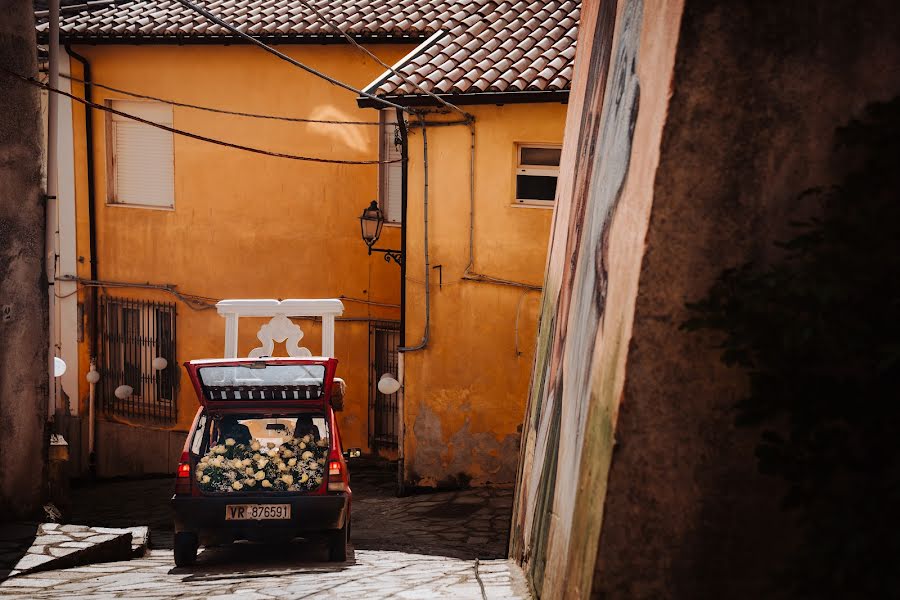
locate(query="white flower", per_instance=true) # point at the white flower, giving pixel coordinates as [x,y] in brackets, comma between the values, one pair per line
[229,442]
[286,439]
[200,475]
[220,449]
[270,445]
[307,438]
[246,462]
[237,485]
[292,462]
[205,479]
[321,461]
[262,463]
[287,478]
[306,455]
[250,482]
[287,453]
[301,445]
[313,465]
[282,466]
[322,443]
[249,471]
[304,478]
[318,480]
[254,445]
[260,475]
[205,459]
[266,483]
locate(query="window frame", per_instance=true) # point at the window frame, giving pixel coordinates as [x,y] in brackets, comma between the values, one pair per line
[111,151]
[534,171]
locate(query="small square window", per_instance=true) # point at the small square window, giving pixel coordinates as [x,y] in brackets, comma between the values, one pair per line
[537,171]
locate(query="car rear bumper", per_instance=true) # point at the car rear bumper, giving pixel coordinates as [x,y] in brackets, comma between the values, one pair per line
[205,515]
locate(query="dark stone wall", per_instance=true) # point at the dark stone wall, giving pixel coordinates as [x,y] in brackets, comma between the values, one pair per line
[24,376]
[758,91]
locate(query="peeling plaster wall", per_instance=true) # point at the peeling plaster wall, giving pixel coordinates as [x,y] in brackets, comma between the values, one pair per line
[24,328]
[620,97]
[464,395]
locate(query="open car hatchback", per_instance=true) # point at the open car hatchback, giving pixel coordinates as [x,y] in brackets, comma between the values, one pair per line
[263,460]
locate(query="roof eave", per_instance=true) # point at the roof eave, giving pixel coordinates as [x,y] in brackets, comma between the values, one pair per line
[527,97]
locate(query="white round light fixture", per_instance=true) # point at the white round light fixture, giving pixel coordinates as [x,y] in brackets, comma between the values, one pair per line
[388,384]
[59,366]
[93,376]
[124,391]
[159,363]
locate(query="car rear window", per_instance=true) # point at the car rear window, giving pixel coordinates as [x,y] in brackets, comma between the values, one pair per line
[242,453]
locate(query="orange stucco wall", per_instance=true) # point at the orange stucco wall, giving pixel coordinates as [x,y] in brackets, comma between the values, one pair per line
[244,225]
[464,394]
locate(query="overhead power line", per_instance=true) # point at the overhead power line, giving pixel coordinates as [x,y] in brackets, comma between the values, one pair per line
[360,47]
[285,57]
[213,109]
[202,138]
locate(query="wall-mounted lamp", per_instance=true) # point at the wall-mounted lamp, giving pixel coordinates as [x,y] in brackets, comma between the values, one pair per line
[371,223]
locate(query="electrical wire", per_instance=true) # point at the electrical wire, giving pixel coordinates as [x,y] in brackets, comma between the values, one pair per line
[403,77]
[234,30]
[216,110]
[202,138]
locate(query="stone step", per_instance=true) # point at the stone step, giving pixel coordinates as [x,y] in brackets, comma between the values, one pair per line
[54,546]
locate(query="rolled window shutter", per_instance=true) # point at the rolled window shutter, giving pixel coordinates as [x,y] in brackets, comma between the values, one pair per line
[143,159]
[391,172]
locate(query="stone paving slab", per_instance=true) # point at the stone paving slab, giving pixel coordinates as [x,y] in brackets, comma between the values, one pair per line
[250,571]
[28,548]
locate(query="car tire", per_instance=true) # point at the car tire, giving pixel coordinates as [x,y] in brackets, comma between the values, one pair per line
[186,545]
[337,543]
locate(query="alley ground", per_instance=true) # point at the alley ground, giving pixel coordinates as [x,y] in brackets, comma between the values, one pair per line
[437,545]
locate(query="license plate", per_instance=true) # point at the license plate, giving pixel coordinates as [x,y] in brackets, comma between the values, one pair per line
[257,512]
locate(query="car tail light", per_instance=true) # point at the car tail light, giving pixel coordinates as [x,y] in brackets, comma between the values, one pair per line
[183,475]
[336,477]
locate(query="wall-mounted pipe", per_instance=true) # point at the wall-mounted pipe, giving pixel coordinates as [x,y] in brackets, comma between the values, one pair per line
[91,189]
[421,345]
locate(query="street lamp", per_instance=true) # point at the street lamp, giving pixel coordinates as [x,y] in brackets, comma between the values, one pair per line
[371,222]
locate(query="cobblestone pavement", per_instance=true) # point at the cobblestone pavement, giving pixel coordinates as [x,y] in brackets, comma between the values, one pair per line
[435,545]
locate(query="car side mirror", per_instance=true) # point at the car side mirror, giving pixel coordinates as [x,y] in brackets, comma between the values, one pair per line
[352,453]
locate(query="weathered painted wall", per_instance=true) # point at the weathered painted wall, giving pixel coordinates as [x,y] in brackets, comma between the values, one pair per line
[620,95]
[24,335]
[758,91]
[634,481]
[464,393]
[244,225]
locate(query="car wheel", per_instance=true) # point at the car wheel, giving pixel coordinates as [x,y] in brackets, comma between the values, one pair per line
[337,544]
[185,548]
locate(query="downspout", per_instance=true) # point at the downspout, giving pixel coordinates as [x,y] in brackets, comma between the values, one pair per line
[421,345]
[404,174]
[92,209]
[93,313]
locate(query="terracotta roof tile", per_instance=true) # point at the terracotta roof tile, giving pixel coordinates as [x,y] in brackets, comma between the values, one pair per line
[489,45]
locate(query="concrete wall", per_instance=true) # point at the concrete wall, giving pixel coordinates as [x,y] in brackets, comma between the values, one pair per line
[758,91]
[23,288]
[634,481]
[245,225]
[464,393]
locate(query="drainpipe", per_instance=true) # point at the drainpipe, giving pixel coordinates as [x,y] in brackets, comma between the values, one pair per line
[50,204]
[92,209]
[404,173]
[93,313]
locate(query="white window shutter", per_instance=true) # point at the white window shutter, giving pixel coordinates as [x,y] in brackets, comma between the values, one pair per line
[392,172]
[143,155]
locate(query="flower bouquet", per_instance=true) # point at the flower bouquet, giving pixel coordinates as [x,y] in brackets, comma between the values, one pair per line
[297,465]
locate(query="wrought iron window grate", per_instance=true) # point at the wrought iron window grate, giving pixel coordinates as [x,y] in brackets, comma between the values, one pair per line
[133,333]
[384,341]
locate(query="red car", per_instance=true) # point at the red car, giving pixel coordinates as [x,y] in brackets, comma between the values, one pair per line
[263,460]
